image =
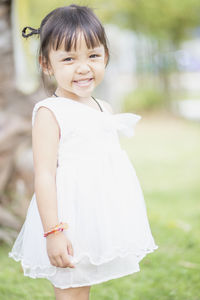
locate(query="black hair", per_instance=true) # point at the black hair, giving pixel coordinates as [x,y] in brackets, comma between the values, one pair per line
[64,23]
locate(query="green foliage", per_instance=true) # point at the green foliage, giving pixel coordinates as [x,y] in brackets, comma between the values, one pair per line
[141,99]
[39,9]
[165,19]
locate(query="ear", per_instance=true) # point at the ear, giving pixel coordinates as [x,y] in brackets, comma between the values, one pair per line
[46,69]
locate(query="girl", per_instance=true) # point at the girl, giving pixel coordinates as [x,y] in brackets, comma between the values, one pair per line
[87,220]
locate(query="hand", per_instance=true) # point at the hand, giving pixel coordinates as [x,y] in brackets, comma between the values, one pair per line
[58,248]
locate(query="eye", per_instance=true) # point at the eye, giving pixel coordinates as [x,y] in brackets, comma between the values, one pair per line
[67,59]
[94,55]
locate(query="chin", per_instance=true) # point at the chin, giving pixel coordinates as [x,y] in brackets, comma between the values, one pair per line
[84,94]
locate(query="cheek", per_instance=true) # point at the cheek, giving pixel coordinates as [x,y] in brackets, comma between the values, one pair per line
[99,76]
[101,72]
[100,68]
[64,72]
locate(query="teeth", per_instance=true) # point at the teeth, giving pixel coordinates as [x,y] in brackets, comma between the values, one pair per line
[83,82]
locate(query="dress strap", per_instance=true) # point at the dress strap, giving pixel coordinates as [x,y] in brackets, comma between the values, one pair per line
[98,104]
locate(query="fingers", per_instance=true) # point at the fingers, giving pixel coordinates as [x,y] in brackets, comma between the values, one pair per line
[59,248]
[66,261]
[61,261]
[53,261]
[56,261]
[70,249]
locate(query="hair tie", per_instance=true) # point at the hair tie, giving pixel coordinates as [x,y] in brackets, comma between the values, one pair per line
[33,31]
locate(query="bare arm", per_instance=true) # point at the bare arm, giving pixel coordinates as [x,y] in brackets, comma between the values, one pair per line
[45,140]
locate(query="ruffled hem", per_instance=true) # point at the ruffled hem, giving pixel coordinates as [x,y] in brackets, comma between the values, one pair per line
[44,275]
[47,272]
[98,281]
[120,254]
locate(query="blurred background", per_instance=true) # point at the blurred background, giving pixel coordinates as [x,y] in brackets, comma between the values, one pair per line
[154,71]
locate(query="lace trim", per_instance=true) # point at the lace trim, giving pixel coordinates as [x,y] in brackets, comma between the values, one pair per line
[16,256]
[97,281]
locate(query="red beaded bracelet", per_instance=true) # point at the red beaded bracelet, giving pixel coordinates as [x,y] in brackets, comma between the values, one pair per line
[59,227]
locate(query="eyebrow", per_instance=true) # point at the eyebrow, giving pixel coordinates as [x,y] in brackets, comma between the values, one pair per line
[90,50]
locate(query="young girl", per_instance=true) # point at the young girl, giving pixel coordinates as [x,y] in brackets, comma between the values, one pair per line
[87,221]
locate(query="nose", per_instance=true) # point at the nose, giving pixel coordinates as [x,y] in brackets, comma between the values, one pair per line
[83,68]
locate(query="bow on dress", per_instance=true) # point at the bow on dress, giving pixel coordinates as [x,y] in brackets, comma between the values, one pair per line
[125,122]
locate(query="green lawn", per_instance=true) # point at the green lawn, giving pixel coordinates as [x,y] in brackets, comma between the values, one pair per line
[165,153]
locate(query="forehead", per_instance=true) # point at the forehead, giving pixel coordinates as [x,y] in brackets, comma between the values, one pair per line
[78,45]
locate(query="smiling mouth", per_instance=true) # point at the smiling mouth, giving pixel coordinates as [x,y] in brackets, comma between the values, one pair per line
[84,82]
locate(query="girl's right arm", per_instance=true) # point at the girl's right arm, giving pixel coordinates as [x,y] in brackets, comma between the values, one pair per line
[45,141]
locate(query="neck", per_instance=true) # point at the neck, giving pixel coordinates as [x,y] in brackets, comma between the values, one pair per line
[80,99]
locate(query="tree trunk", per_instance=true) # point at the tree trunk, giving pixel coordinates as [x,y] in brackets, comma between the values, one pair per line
[16,161]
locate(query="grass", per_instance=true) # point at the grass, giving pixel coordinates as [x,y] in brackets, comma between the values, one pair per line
[165,153]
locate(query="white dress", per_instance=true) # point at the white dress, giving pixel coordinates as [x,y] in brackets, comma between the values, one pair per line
[98,195]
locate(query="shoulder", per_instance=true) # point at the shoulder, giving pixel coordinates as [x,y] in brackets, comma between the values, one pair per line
[106,105]
[44,107]
[45,113]
[43,102]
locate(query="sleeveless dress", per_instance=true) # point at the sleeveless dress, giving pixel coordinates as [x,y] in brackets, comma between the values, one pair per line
[98,195]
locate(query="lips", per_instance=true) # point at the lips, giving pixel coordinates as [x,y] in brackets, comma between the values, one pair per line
[84,79]
[84,82]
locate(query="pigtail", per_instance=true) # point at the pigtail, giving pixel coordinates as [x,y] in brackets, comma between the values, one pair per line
[33,31]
